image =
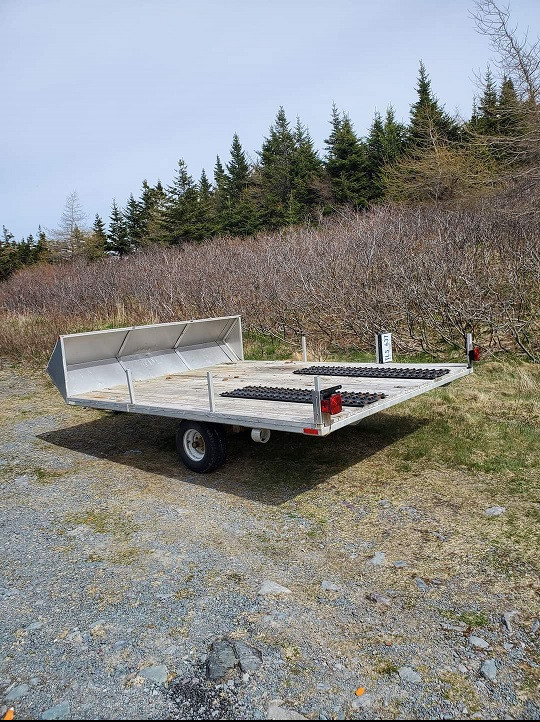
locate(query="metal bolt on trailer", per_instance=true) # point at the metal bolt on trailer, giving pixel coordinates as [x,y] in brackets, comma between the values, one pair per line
[195,371]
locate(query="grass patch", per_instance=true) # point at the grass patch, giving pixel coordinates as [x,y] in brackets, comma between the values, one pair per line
[385,667]
[471,619]
[126,556]
[105,521]
[459,690]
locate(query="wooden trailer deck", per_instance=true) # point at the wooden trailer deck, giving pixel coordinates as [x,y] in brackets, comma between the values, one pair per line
[185,394]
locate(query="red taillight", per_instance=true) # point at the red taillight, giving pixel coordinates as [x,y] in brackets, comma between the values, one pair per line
[474,354]
[311,431]
[332,405]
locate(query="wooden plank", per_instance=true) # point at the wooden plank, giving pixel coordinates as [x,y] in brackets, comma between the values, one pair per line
[188,391]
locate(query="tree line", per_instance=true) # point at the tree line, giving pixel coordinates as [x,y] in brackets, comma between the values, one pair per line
[434,157]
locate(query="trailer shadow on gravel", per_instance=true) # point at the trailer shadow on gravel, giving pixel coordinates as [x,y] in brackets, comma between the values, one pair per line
[272,473]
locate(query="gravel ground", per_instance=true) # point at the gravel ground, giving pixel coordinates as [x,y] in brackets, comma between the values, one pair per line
[120,570]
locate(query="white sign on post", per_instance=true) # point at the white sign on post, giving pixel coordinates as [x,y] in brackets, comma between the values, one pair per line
[384,348]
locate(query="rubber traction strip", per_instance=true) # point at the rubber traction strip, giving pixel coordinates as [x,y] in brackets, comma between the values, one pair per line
[373,373]
[299,396]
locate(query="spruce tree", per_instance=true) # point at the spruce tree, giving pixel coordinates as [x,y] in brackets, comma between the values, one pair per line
[276,159]
[152,211]
[511,115]
[96,242]
[134,220]
[394,136]
[220,196]
[375,156]
[181,208]
[8,254]
[487,119]
[308,176]
[117,238]
[42,253]
[238,213]
[205,226]
[429,122]
[346,163]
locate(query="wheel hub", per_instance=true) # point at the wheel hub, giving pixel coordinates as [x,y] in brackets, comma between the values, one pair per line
[194,445]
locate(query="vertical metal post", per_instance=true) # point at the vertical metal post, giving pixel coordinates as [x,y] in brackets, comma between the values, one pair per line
[316,396]
[211,399]
[131,388]
[304,349]
[468,348]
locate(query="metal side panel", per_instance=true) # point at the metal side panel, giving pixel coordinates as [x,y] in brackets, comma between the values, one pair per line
[85,362]
[57,370]
[95,375]
[151,364]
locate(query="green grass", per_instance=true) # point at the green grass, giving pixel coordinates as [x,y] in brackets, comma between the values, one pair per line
[105,521]
[471,619]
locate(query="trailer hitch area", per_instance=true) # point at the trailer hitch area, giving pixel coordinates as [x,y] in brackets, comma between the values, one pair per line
[331,400]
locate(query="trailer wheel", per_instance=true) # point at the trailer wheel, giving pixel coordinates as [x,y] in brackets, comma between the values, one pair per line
[202,447]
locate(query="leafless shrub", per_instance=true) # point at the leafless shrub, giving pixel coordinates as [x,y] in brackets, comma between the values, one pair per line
[429,274]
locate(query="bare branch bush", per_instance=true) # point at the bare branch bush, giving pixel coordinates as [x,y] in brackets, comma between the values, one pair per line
[427,273]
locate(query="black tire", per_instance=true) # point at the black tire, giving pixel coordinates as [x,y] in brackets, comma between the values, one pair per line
[213,453]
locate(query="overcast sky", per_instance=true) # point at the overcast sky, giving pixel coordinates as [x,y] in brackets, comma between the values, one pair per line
[99,94]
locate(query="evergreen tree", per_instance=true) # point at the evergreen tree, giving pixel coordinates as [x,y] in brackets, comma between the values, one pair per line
[511,114]
[134,220]
[96,242]
[152,212]
[346,162]
[220,196]
[276,172]
[205,225]
[117,238]
[180,215]
[394,136]
[308,176]
[429,123]
[375,156]
[9,260]
[487,120]
[42,253]
[238,212]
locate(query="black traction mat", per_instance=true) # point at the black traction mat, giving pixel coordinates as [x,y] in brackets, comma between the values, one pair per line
[373,373]
[299,396]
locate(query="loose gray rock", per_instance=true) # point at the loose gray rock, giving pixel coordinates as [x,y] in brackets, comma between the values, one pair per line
[460,628]
[535,626]
[329,587]
[400,564]
[420,583]
[378,559]
[508,618]
[35,625]
[478,642]
[269,588]
[495,511]
[221,659]
[249,658]
[385,503]
[59,711]
[488,670]
[408,674]
[157,673]
[379,599]
[277,712]
[17,692]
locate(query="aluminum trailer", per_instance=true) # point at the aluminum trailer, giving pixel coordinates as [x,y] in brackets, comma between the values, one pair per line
[181,369]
